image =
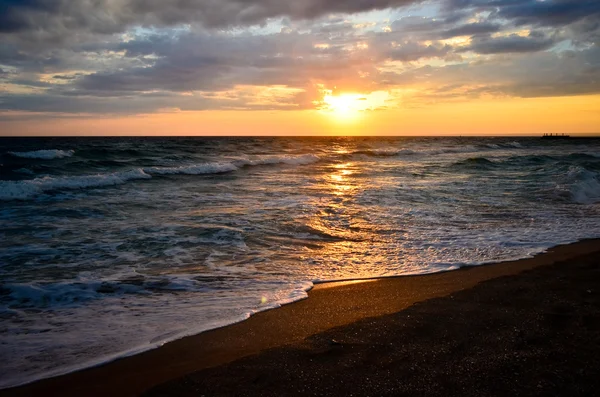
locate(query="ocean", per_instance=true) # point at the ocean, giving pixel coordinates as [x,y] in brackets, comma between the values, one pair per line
[113,246]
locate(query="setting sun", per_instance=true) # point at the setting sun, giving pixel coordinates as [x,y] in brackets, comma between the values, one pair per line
[349,106]
[344,106]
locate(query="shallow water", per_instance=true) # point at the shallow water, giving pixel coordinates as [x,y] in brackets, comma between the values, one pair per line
[110,246]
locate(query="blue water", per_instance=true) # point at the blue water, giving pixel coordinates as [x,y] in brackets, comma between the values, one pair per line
[111,246]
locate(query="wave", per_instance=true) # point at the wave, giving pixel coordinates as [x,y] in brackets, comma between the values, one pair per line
[71,294]
[22,190]
[585,185]
[304,159]
[77,293]
[223,167]
[26,189]
[579,158]
[388,152]
[504,145]
[195,169]
[59,294]
[475,162]
[449,150]
[24,171]
[44,154]
[583,156]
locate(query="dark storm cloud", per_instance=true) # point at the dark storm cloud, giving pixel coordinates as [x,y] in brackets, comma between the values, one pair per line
[15,14]
[550,13]
[471,29]
[511,44]
[56,103]
[196,73]
[534,12]
[103,16]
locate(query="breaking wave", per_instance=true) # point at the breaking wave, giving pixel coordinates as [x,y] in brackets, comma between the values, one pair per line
[22,190]
[475,162]
[585,185]
[391,152]
[195,169]
[26,189]
[44,154]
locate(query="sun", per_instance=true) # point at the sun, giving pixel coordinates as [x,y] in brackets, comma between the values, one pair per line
[344,106]
[351,106]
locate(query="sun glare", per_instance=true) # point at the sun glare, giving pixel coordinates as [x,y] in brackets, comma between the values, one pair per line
[343,106]
[350,106]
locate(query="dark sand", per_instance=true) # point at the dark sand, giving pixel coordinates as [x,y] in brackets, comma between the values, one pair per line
[535,333]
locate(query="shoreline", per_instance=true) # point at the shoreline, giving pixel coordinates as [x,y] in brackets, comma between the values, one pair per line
[108,359]
[330,304]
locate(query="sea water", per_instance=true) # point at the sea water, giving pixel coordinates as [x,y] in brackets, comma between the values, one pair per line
[112,246]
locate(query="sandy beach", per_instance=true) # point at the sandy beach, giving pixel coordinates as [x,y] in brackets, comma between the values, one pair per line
[522,327]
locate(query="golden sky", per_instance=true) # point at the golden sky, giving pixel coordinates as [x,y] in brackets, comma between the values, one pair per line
[300,67]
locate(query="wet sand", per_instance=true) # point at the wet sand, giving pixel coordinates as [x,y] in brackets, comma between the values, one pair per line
[490,331]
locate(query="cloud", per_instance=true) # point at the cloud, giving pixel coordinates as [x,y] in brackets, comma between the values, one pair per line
[548,13]
[43,20]
[527,75]
[411,51]
[511,44]
[140,56]
[205,62]
[471,29]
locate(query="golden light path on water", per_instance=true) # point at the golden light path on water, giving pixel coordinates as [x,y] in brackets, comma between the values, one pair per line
[354,235]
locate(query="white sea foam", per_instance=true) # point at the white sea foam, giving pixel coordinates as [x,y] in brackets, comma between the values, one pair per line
[22,190]
[93,351]
[26,189]
[44,154]
[194,169]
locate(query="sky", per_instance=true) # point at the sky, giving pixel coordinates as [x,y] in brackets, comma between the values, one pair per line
[299,67]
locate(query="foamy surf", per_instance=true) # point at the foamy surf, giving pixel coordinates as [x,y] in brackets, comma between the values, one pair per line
[194,169]
[267,301]
[26,189]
